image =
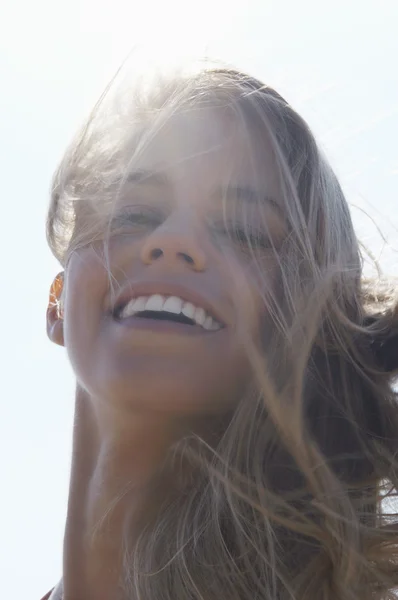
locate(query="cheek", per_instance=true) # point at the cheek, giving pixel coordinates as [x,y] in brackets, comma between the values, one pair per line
[254,282]
[86,284]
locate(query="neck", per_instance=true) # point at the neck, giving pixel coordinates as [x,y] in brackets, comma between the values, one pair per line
[116,463]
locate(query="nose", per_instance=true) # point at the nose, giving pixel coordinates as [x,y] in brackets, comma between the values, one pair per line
[175,243]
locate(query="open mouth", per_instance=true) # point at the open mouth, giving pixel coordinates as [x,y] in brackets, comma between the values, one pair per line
[165,316]
[167,308]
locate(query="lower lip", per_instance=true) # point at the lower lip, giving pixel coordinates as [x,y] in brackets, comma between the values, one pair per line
[163,326]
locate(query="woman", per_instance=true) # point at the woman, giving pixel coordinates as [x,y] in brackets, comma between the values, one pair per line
[236,426]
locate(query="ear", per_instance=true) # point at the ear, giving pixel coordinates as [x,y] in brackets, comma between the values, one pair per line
[55,321]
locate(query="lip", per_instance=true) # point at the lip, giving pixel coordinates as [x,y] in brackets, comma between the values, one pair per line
[170,327]
[133,290]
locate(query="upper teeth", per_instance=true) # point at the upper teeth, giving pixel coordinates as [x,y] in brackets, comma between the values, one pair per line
[170,304]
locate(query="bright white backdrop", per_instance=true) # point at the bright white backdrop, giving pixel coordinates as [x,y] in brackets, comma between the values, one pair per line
[335,61]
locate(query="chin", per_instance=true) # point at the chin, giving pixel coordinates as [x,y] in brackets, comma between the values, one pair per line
[166,389]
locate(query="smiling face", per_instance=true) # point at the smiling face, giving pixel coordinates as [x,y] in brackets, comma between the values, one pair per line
[152,322]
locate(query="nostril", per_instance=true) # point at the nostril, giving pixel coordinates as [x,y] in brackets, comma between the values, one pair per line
[156,253]
[186,257]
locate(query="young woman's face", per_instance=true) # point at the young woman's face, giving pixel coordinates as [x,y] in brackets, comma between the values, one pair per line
[168,245]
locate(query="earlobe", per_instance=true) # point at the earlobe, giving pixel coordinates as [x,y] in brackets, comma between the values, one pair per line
[55,322]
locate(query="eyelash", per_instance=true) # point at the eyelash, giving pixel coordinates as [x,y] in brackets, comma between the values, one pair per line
[255,238]
[246,238]
[138,217]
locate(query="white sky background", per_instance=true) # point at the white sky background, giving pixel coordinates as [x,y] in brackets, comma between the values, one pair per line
[335,61]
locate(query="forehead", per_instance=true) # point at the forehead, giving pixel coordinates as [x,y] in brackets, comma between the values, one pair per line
[211,146]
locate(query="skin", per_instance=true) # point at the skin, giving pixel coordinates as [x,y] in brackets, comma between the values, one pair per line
[139,390]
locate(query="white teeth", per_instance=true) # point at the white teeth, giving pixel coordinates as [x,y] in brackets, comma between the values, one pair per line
[200,316]
[208,323]
[211,325]
[128,310]
[188,310]
[170,304]
[154,302]
[173,305]
[139,303]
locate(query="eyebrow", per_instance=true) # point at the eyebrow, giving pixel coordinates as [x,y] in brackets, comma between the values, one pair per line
[144,176]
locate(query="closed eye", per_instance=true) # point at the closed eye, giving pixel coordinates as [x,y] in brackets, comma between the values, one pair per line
[133,218]
[246,238]
[256,239]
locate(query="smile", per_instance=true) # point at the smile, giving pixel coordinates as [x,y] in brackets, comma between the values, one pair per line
[172,309]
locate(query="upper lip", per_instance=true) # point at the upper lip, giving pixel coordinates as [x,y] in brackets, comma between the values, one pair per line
[133,290]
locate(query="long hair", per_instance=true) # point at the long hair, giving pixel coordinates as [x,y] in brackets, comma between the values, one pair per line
[296,500]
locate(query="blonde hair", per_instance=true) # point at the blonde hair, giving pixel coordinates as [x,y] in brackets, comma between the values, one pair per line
[288,504]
